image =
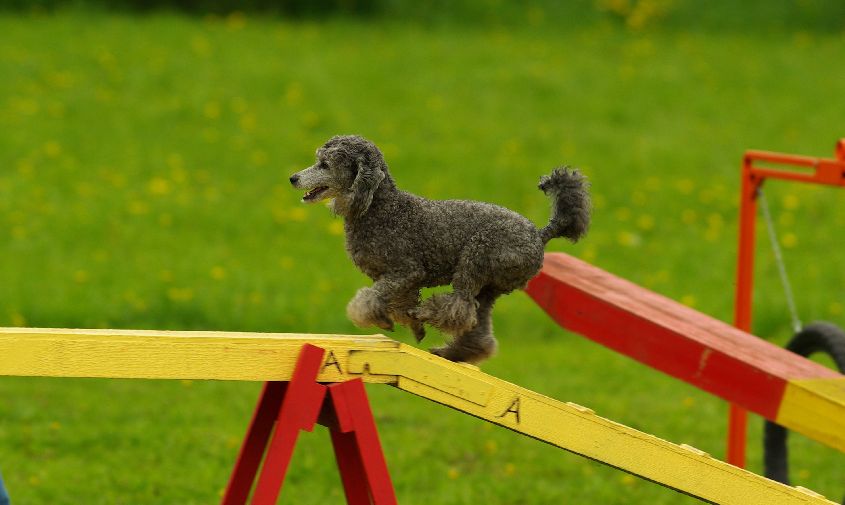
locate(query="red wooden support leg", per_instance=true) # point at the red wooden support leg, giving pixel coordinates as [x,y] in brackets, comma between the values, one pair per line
[360,443]
[252,450]
[299,411]
[351,468]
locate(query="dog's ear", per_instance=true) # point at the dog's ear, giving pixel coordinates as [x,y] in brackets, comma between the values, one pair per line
[364,187]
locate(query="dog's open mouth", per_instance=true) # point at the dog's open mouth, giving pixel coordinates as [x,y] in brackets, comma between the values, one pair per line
[314,195]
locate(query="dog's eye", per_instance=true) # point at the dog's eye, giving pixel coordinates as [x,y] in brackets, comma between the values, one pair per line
[323,165]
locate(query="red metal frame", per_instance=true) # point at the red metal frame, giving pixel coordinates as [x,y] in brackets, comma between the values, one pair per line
[827,171]
[299,405]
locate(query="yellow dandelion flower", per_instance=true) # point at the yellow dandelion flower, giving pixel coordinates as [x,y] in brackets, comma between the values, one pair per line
[180,294]
[804,474]
[336,227]
[628,479]
[137,207]
[639,198]
[217,273]
[791,202]
[158,186]
[236,20]
[835,308]
[789,240]
[713,234]
[689,216]
[55,426]
[510,469]
[645,222]
[685,186]
[623,214]
[200,45]
[490,447]
[688,402]
[453,473]
[297,214]
[293,93]
[80,276]
[52,149]
[286,262]
[688,300]
[25,167]
[248,122]
[434,103]
[310,119]
[259,158]
[628,239]
[17,319]
[211,110]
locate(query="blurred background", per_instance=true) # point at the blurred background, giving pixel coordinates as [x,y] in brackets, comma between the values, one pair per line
[145,148]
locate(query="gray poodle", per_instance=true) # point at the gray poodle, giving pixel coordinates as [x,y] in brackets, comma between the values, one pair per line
[405,242]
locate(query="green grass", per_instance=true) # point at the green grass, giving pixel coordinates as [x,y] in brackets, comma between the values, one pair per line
[143,184]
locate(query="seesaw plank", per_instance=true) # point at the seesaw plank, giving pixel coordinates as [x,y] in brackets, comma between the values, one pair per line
[377,359]
[693,347]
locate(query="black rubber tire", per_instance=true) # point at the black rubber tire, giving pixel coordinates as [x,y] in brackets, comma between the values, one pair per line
[815,337]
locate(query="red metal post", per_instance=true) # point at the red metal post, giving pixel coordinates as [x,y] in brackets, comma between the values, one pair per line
[738,417]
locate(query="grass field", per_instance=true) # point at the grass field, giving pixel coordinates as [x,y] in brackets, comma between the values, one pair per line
[143,184]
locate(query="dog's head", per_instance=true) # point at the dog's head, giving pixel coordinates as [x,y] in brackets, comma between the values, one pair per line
[349,169]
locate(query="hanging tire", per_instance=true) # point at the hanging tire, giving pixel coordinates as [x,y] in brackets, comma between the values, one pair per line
[813,338]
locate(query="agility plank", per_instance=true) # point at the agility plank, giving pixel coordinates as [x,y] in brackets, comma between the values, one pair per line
[701,350]
[377,359]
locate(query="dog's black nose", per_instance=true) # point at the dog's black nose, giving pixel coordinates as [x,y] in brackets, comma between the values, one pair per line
[294,178]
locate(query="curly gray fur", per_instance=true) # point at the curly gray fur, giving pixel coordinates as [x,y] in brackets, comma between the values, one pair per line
[404,242]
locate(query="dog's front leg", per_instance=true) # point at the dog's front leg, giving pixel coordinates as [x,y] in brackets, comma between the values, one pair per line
[368,308]
[391,298]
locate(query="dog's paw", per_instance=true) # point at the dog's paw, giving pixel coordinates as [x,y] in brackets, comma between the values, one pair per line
[418,330]
[367,309]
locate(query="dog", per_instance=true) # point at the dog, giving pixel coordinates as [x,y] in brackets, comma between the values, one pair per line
[405,242]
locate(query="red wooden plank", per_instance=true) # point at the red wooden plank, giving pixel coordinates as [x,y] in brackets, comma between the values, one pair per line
[667,335]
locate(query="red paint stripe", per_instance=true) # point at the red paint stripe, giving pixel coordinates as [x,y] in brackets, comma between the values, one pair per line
[667,335]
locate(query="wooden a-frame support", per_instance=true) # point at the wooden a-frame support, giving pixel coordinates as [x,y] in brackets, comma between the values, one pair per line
[299,405]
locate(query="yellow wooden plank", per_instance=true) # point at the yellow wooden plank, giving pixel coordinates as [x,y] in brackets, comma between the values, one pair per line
[815,407]
[271,356]
[140,354]
[579,430]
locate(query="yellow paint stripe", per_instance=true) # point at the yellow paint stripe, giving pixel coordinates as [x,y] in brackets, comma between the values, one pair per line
[815,407]
[261,357]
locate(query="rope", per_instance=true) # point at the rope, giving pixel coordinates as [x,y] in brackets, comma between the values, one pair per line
[784,278]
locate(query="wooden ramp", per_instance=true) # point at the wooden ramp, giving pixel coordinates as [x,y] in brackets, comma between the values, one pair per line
[703,351]
[378,359]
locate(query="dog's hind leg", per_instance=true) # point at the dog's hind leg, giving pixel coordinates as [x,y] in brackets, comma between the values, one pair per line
[478,343]
[456,312]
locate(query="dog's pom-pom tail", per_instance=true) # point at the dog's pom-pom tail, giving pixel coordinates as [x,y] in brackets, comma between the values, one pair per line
[570,195]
